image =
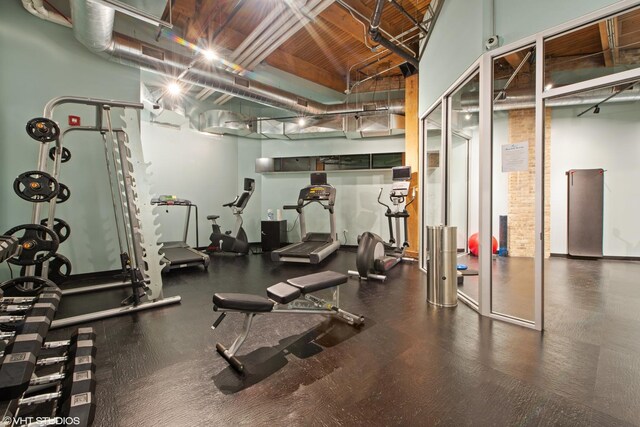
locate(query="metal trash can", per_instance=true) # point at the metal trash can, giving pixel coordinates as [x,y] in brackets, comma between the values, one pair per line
[442,273]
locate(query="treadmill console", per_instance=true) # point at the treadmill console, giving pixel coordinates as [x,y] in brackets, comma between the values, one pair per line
[167,200]
[317,193]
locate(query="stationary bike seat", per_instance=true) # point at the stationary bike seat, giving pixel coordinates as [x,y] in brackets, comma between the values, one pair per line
[210,217]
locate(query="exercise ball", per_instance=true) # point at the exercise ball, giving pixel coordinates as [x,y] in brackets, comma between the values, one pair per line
[474,244]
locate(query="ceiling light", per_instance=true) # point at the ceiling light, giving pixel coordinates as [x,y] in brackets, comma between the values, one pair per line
[209,55]
[174,88]
[467,116]
[301,121]
[548,86]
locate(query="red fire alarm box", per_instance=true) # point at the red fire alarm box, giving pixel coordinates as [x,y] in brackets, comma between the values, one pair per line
[74,120]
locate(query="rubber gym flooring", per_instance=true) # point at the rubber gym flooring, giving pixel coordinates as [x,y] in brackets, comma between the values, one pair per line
[411,364]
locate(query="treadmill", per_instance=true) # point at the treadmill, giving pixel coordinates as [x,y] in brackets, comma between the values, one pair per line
[314,247]
[179,254]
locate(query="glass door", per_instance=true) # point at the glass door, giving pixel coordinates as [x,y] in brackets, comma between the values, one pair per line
[462,181]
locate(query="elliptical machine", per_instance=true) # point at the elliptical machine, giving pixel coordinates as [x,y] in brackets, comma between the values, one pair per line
[234,240]
[375,256]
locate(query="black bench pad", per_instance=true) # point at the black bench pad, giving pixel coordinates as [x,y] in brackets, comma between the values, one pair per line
[283,293]
[317,281]
[242,302]
[213,217]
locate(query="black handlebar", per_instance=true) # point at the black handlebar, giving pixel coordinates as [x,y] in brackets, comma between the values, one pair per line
[290,207]
[383,204]
[226,205]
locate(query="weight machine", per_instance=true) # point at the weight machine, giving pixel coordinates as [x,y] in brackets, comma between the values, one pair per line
[137,239]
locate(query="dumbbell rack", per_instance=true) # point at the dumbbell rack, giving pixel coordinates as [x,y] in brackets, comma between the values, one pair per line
[42,382]
[141,262]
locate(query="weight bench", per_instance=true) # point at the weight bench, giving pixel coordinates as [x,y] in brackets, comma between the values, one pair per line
[293,296]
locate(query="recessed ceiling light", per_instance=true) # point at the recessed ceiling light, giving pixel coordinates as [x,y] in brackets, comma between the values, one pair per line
[209,55]
[174,88]
[301,121]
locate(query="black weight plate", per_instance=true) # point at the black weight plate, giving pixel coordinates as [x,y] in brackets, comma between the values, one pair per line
[66,154]
[43,130]
[19,287]
[35,248]
[63,194]
[59,269]
[62,229]
[36,186]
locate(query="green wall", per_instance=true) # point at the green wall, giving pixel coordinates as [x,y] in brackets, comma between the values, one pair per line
[40,61]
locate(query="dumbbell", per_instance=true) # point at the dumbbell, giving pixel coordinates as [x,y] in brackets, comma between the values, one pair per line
[76,382]
[20,355]
[17,368]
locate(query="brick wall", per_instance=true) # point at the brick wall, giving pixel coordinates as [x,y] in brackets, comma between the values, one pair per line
[521,200]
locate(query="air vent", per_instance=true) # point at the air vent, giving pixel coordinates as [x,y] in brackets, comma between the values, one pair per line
[303,102]
[241,81]
[369,107]
[152,52]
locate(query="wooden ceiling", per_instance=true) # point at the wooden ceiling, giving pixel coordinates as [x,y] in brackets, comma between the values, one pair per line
[323,51]
[607,43]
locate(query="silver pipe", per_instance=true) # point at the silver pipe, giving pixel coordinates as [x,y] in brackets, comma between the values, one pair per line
[113,193]
[524,101]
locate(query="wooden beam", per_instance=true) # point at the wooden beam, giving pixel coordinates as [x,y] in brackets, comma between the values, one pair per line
[412,158]
[606,48]
[338,17]
[206,11]
[515,59]
[230,39]
[292,64]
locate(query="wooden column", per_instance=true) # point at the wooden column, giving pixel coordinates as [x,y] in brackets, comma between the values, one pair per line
[412,141]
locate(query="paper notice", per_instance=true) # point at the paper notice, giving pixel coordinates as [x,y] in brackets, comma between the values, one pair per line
[515,157]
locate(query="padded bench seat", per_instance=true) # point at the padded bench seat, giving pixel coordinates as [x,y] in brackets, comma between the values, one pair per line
[211,217]
[283,293]
[242,302]
[318,281]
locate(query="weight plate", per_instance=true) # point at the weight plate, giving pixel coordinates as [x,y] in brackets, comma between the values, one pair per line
[28,286]
[63,194]
[66,154]
[43,130]
[36,249]
[36,186]
[61,227]
[59,269]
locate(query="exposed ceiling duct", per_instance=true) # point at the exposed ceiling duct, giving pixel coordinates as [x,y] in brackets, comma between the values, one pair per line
[374,32]
[518,100]
[93,27]
[351,126]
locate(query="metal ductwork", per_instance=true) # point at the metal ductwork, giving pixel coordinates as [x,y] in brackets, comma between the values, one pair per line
[226,122]
[93,27]
[374,33]
[518,100]
[351,126]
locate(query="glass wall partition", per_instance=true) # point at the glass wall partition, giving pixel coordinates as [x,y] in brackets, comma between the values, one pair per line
[462,179]
[489,167]
[513,179]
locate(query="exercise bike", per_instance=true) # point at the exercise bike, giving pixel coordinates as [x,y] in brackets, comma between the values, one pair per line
[375,256]
[236,240]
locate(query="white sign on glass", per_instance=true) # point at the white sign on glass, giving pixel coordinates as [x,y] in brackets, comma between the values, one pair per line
[515,157]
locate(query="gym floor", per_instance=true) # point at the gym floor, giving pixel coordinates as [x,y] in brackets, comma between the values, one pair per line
[410,364]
